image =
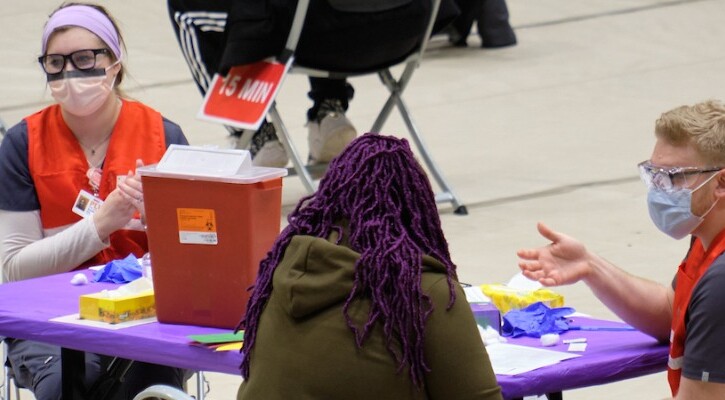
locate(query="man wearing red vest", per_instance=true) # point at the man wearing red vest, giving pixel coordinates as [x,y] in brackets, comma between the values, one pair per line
[686,180]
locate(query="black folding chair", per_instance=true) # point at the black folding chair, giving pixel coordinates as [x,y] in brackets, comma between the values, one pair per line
[395,87]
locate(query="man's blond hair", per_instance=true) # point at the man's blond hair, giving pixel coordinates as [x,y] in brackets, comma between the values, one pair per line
[702,125]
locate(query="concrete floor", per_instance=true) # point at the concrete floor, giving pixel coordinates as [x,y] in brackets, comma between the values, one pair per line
[549,130]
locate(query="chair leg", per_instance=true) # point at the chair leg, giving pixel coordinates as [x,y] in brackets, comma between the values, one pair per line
[6,385]
[9,386]
[284,138]
[396,88]
[8,382]
[3,128]
[387,107]
[200,385]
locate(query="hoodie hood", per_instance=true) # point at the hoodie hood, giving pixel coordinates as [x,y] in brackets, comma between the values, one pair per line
[316,273]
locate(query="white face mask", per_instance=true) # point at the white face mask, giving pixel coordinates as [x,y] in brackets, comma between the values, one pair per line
[79,92]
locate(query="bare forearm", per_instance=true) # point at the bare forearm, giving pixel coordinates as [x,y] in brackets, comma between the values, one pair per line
[642,303]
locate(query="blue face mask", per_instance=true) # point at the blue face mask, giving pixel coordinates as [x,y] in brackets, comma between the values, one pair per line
[671,210]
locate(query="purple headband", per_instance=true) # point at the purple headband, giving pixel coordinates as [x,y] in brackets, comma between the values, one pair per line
[85,17]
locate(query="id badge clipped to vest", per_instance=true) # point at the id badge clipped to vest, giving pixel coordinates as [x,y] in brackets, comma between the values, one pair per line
[86,204]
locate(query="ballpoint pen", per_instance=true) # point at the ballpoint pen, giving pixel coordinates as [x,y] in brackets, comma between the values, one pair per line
[601,328]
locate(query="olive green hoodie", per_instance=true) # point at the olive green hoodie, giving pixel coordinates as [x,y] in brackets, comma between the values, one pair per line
[305,350]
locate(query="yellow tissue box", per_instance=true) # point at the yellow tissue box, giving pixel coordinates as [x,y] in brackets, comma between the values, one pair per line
[506,298]
[100,307]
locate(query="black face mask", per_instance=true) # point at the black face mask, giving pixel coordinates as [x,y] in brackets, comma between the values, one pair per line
[76,73]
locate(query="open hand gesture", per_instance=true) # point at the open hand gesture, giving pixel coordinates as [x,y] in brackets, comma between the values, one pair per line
[564,261]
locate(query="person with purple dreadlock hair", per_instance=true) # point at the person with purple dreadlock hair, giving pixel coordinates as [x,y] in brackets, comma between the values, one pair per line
[358,298]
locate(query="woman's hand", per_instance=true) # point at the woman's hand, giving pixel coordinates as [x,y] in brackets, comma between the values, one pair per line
[114,214]
[565,260]
[120,205]
[132,190]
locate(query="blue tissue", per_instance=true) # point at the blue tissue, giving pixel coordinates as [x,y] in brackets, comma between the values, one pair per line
[119,271]
[535,320]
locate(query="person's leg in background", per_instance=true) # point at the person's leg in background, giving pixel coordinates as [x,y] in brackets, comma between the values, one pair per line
[460,27]
[493,25]
[329,129]
[492,21]
[199,27]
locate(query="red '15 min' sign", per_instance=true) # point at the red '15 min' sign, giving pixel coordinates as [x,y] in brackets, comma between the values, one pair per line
[243,97]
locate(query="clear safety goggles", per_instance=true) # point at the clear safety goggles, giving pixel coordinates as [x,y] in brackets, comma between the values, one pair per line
[671,178]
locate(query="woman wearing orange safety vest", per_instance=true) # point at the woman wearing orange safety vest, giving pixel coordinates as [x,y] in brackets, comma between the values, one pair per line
[64,204]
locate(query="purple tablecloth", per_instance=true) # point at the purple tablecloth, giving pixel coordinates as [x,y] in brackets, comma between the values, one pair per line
[26,308]
[610,356]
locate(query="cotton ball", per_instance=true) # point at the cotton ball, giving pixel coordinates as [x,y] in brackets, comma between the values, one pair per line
[550,339]
[490,335]
[79,279]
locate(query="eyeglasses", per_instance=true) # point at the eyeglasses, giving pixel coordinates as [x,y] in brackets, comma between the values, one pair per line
[664,178]
[82,60]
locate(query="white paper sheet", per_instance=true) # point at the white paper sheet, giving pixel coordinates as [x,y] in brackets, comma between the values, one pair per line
[75,319]
[511,359]
[520,282]
[474,294]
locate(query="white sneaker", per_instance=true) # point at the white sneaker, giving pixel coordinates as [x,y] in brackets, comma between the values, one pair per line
[271,154]
[266,149]
[328,137]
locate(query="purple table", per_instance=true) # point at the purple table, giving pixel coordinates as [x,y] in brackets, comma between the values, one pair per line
[27,306]
[610,356]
